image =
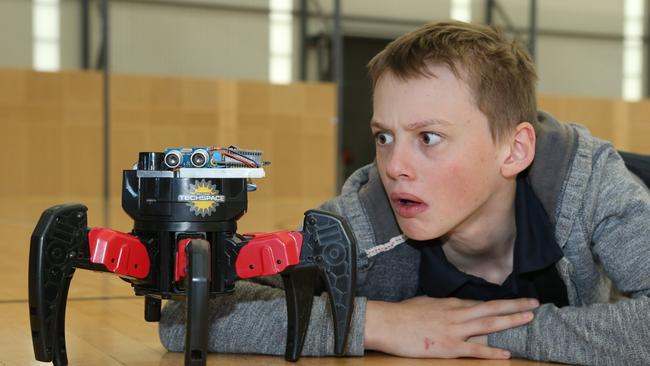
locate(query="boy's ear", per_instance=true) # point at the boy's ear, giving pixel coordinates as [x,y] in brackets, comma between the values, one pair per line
[519,150]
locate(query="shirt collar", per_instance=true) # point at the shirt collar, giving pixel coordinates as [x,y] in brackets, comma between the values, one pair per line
[442,277]
[535,247]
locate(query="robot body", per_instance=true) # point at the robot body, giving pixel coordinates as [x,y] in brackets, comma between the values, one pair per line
[184,246]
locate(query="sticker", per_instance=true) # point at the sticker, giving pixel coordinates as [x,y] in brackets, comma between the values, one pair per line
[203,198]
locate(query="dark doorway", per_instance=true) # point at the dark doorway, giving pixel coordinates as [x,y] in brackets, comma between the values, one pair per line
[358,144]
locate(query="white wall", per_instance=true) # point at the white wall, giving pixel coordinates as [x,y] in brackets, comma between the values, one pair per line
[150,37]
[16,34]
[571,59]
[576,54]
[71,34]
[189,41]
[580,67]
[359,15]
[155,38]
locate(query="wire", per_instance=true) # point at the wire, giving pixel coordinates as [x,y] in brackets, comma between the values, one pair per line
[242,155]
[250,162]
[229,152]
[239,159]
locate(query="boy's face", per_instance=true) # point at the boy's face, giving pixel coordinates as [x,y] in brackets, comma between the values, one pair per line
[435,154]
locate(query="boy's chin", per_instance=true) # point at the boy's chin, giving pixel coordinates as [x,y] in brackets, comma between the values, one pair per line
[418,233]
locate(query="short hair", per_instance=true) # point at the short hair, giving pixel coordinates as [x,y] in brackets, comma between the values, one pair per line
[500,73]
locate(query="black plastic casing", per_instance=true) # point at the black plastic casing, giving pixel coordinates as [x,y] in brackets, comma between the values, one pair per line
[162,218]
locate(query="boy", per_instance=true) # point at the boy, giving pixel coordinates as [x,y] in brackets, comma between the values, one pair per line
[483,226]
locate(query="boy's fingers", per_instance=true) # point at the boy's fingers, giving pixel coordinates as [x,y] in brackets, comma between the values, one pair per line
[468,349]
[498,307]
[493,324]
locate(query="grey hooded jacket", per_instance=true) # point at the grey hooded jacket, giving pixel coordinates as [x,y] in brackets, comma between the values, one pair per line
[601,215]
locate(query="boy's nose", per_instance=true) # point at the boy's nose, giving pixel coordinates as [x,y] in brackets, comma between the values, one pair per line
[399,165]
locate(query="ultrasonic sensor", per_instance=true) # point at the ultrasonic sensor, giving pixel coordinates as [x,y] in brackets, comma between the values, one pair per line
[173,159]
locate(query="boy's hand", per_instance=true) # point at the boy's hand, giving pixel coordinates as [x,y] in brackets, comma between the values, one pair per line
[442,328]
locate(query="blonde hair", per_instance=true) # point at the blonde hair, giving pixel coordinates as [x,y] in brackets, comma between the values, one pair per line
[500,73]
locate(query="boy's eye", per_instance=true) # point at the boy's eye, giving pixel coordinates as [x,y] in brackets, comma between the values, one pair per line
[430,138]
[384,138]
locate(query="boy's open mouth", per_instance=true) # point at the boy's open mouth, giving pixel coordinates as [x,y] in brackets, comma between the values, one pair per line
[407,205]
[405,198]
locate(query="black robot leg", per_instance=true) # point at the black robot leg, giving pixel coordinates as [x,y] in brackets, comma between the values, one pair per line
[198,293]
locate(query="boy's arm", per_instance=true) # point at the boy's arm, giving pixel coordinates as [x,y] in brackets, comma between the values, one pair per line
[254,320]
[601,334]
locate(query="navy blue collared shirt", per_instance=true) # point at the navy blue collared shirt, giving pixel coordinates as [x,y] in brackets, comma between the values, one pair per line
[533,273]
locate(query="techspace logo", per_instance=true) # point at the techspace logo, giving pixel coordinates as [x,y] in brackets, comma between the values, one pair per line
[203,198]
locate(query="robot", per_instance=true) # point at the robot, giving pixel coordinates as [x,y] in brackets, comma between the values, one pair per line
[185,203]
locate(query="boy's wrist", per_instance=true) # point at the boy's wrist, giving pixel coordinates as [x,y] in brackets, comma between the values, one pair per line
[374,324]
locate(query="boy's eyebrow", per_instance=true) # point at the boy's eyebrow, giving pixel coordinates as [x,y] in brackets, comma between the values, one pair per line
[427,122]
[414,125]
[376,124]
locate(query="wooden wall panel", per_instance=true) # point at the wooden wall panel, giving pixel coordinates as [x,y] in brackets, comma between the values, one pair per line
[52,124]
[625,124]
[638,127]
[597,114]
[50,130]
[13,86]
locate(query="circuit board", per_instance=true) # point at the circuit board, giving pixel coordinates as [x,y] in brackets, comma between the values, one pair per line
[212,157]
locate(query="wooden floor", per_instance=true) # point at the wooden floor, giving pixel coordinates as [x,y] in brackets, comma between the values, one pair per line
[105,325]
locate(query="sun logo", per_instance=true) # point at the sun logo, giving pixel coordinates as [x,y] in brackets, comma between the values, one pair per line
[203,198]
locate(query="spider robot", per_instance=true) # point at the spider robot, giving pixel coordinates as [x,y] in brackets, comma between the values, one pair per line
[185,203]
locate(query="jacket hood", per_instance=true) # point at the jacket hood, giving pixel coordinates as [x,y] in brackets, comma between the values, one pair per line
[555,150]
